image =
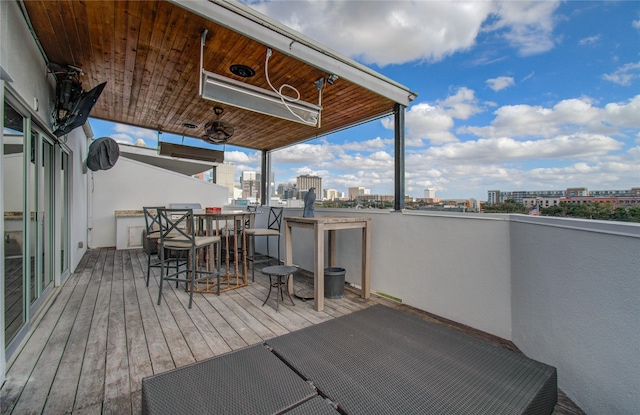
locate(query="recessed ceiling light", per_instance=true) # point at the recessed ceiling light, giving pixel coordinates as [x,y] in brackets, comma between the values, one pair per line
[189,125]
[242,70]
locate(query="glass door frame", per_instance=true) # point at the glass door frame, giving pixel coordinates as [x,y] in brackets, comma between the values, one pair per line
[44,184]
[58,204]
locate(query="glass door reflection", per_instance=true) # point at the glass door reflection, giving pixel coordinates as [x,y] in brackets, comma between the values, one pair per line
[13,180]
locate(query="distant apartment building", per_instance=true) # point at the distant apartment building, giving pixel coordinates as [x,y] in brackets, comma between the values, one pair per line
[497,196]
[331,194]
[354,192]
[306,182]
[376,198]
[429,193]
[542,202]
[547,198]
[451,205]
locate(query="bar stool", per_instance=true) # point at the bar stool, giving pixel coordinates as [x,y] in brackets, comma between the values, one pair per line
[281,274]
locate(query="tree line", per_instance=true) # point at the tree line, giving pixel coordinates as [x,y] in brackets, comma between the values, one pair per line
[592,210]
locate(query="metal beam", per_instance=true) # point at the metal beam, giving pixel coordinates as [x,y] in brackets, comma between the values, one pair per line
[399,156]
[265,168]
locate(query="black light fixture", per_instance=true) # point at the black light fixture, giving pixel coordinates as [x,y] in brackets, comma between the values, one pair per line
[242,71]
[72,104]
[189,125]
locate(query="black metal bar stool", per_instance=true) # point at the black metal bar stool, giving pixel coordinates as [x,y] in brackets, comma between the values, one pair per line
[281,274]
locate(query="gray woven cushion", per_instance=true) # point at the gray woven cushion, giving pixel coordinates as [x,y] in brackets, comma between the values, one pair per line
[249,381]
[382,361]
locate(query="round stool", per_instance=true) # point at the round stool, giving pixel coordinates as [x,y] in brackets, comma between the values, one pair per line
[281,274]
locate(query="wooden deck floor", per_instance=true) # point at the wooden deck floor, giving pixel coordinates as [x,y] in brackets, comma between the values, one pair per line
[104,333]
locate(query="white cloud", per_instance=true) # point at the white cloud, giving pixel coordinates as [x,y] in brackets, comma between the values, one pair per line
[309,154]
[571,115]
[136,132]
[503,149]
[123,138]
[239,157]
[500,82]
[393,32]
[528,24]
[587,41]
[376,143]
[127,134]
[624,74]
[434,122]
[636,24]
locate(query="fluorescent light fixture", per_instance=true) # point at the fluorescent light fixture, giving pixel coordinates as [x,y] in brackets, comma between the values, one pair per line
[238,94]
[191,153]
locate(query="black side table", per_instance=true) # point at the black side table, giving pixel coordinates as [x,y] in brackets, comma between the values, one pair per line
[281,274]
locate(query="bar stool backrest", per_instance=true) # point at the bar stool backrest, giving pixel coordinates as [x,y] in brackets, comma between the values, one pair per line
[275,218]
[177,225]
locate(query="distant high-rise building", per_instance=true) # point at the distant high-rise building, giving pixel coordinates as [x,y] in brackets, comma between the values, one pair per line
[354,192]
[288,191]
[429,193]
[223,175]
[250,184]
[306,182]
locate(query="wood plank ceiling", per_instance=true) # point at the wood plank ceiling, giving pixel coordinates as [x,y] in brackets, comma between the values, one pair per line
[148,52]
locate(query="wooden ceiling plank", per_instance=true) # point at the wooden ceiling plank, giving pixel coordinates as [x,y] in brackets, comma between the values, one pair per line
[85,49]
[163,97]
[130,53]
[95,24]
[119,54]
[41,18]
[68,14]
[157,29]
[145,33]
[168,35]
[58,23]
[106,25]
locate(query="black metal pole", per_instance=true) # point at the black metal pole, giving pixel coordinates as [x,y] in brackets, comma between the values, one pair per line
[264,169]
[399,156]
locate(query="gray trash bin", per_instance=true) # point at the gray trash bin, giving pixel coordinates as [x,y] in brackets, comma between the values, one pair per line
[334,282]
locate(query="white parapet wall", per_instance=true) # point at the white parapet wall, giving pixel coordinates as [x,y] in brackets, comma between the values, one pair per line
[576,306]
[565,291]
[454,265]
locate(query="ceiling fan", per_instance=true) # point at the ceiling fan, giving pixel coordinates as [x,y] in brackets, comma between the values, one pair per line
[218,131]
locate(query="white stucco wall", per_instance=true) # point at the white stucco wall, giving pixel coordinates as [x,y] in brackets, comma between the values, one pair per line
[130,185]
[454,265]
[576,306]
[21,59]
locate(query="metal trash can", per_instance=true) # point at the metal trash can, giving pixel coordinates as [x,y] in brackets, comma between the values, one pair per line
[334,282]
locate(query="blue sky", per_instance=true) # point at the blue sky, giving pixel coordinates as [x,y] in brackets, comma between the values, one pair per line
[512,95]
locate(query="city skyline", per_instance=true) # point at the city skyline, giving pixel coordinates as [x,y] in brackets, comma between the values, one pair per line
[511,95]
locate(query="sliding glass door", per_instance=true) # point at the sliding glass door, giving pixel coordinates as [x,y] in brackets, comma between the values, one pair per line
[35,179]
[16,267]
